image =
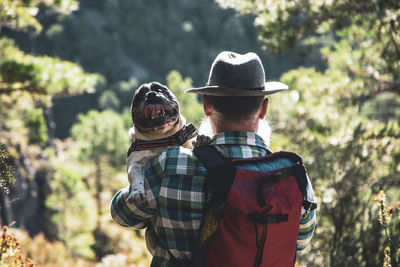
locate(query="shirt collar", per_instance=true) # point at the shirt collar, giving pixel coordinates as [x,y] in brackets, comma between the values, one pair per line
[238,138]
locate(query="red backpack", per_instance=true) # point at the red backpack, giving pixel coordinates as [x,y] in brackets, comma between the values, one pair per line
[253,217]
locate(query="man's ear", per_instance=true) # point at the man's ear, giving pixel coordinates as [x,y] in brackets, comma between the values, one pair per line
[207,106]
[263,109]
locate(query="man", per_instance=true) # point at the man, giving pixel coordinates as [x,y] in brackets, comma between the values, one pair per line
[176,192]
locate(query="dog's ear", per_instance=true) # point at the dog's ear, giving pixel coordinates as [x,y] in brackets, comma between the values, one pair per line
[156,85]
[139,95]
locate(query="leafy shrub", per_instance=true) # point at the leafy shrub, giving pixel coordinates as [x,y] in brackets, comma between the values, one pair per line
[6,169]
[390,223]
[10,251]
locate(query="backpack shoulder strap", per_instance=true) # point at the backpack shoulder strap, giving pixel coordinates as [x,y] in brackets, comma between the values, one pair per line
[301,178]
[220,173]
[209,156]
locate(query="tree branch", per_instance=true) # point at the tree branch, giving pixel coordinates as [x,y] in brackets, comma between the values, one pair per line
[388,87]
[29,89]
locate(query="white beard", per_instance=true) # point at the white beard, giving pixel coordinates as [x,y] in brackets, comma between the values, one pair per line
[265,131]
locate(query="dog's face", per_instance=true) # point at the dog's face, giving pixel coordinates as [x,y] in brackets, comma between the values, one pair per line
[155,110]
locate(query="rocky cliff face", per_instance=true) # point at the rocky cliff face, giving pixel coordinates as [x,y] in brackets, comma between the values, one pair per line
[24,207]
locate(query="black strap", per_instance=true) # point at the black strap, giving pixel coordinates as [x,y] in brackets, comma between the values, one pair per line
[220,175]
[277,176]
[267,219]
[309,205]
[260,245]
[301,178]
[272,178]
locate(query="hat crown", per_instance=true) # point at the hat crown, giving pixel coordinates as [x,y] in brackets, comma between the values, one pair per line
[233,74]
[236,71]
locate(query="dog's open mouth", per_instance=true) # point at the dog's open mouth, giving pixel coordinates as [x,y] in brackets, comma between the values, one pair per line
[156,117]
[152,111]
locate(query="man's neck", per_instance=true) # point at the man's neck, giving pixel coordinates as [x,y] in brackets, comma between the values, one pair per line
[261,127]
[228,126]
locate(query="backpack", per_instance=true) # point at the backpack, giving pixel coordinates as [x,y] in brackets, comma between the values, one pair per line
[252,218]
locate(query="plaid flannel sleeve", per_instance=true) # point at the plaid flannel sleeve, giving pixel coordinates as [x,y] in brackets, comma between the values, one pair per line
[137,216]
[307,222]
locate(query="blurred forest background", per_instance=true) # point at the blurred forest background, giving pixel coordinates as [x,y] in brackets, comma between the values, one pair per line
[68,71]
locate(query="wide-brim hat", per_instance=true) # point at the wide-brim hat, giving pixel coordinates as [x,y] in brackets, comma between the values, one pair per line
[234,74]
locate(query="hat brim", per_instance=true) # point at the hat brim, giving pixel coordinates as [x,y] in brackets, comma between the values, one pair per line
[269,88]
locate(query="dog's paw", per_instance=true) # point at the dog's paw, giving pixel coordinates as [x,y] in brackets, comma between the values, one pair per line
[201,140]
[136,196]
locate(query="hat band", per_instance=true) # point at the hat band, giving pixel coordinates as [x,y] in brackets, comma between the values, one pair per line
[243,89]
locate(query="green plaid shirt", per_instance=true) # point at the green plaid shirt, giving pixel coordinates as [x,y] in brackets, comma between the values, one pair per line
[175,196]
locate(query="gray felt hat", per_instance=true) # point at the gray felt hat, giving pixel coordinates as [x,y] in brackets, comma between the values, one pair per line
[233,74]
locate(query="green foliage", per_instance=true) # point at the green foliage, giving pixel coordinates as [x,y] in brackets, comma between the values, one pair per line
[190,107]
[41,75]
[101,135]
[384,107]
[109,100]
[102,142]
[34,121]
[145,39]
[284,23]
[20,14]
[6,169]
[125,90]
[28,84]
[10,251]
[71,199]
[368,34]
[390,222]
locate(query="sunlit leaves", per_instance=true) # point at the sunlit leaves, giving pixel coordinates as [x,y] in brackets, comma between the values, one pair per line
[41,75]
[72,201]
[101,135]
[190,107]
[6,169]
[389,221]
[20,14]
[368,34]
